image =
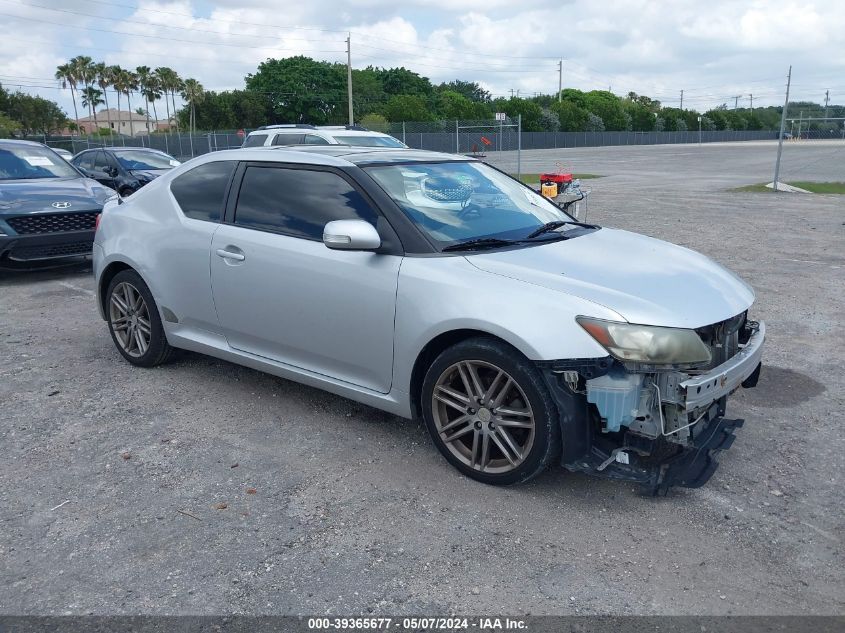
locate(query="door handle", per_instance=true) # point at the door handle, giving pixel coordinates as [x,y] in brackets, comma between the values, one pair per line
[222,252]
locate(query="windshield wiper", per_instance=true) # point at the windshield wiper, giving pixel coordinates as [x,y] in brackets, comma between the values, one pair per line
[479,243]
[548,227]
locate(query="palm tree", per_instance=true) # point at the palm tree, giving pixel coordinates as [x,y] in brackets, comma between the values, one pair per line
[116,72]
[145,75]
[192,93]
[152,93]
[130,85]
[65,74]
[104,80]
[168,82]
[92,97]
[82,66]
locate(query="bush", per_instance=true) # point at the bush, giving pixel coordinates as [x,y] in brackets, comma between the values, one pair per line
[375,122]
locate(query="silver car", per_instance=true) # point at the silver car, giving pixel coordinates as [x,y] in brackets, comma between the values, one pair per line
[435,286]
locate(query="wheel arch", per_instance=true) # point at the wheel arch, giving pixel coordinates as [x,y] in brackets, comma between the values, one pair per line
[433,349]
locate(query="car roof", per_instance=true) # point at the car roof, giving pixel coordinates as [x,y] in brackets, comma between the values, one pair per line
[377,155]
[17,141]
[337,155]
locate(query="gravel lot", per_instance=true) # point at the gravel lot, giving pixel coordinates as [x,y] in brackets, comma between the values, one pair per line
[333,507]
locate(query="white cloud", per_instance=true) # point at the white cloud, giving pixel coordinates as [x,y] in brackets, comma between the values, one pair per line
[711,51]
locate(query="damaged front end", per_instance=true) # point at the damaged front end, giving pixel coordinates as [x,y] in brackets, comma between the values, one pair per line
[628,417]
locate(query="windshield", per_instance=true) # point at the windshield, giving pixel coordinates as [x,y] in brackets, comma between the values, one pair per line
[459,201]
[367,141]
[25,162]
[144,159]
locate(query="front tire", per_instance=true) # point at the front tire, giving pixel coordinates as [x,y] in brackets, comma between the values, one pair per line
[489,412]
[134,322]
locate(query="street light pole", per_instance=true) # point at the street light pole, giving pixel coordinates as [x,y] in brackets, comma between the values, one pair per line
[349,76]
[560,81]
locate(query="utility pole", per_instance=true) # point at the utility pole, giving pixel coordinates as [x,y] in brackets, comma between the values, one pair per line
[826,101]
[736,101]
[782,125]
[560,81]
[752,103]
[682,99]
[511,93]
[349,76]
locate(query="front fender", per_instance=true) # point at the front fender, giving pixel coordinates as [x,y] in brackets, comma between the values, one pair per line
[442,294]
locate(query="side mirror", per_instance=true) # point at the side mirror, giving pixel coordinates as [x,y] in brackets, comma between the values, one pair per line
[351,235]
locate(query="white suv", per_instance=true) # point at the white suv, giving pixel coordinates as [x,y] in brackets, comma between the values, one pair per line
[305,134]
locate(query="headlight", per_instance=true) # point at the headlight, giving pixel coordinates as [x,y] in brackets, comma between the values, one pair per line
[647,343]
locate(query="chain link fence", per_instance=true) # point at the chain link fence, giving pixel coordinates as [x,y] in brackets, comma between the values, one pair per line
[463,137]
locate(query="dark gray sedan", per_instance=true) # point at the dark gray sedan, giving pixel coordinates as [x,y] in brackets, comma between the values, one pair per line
[48,209]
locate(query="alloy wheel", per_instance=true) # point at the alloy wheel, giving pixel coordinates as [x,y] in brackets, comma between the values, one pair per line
[130,319]
[483,416]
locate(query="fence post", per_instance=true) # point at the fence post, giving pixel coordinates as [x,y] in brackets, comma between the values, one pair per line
[519,147]
[403,132]
[457,138]
[208,138]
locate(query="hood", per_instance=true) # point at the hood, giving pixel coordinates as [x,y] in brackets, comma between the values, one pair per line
[646,281]
[148,174]
[38,195]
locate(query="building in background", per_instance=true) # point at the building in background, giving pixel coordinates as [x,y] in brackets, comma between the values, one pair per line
[122,122]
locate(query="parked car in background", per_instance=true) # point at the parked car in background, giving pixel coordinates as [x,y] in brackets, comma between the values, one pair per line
[48,209]
[435,286]
[304,134]
[124,169]
[68,156]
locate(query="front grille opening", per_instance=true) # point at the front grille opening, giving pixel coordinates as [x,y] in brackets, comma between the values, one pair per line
[42,223]
[27,253]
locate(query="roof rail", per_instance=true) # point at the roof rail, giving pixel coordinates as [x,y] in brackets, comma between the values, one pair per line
[359,128]
[307,126]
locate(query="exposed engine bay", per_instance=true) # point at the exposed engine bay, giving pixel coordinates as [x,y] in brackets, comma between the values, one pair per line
[658,425]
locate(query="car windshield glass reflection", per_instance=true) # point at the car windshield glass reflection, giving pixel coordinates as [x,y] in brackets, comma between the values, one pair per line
[29,162]
[454,202]
[134,159]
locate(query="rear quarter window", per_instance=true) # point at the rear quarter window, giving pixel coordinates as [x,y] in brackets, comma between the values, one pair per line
[201,191]
[255,140]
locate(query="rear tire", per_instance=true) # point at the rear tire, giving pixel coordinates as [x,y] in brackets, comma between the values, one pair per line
[134,321]
[490,413]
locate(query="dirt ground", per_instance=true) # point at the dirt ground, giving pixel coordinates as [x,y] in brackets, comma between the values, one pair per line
[201,487]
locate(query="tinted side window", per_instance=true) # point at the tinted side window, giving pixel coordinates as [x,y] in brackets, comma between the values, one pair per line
[255,140]
[298,202]
[86,161]
[313,139]
[201,190]
[288,139]
[101,160]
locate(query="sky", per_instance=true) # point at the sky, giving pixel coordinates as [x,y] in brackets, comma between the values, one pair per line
[714,51]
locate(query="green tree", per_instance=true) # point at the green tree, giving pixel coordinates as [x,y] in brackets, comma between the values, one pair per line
[193,93]
[302,90]
[66,74]
[8,126]
[407,108]
[103,77]
[401,81]
[453,105]
[91,98]
[374,121]
[608,107]
[572,117]
[532,113]
[469,89]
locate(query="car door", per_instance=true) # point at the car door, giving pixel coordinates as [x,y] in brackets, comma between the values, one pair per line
[102,171]
[282,294]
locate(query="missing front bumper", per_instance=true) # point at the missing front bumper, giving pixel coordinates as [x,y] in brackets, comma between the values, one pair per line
[667,434]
